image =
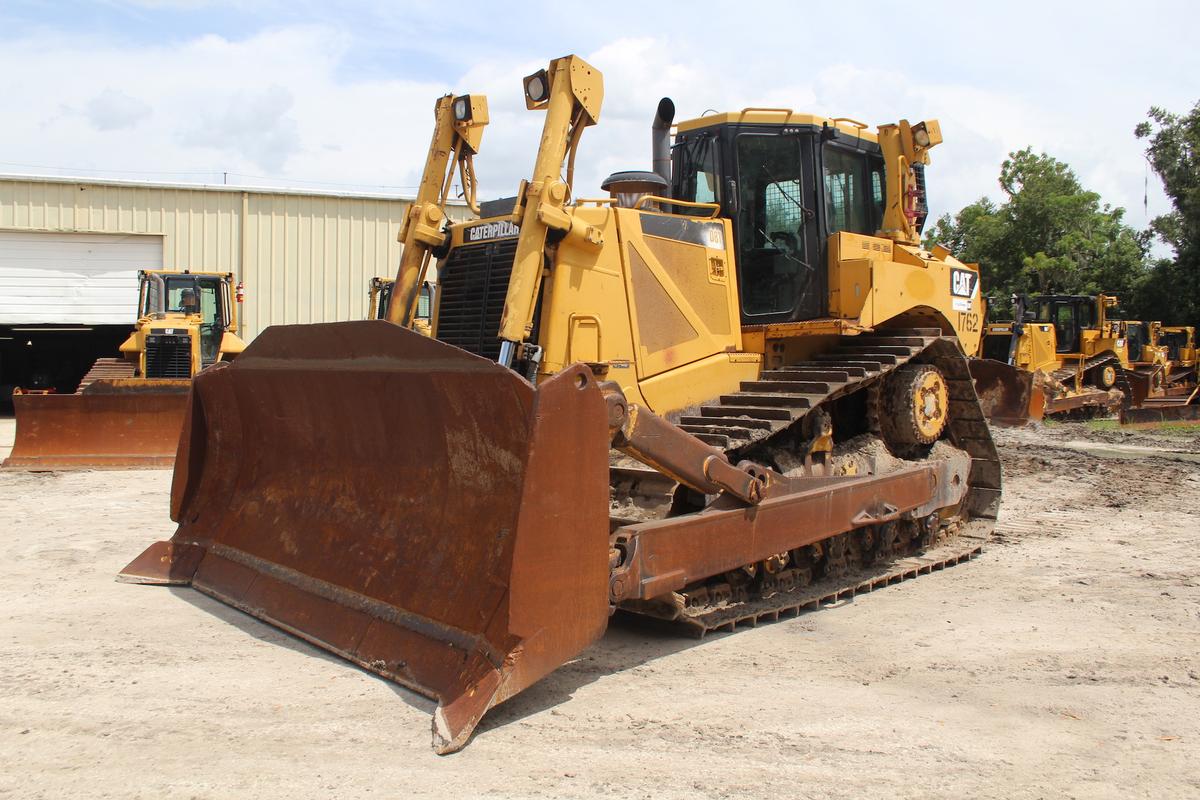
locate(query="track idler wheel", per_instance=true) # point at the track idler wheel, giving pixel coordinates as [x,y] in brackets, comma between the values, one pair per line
[915,406]
[1103,376]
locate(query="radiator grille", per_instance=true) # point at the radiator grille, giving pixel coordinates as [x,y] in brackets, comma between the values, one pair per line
[168,356]
[472,284]
[996,346]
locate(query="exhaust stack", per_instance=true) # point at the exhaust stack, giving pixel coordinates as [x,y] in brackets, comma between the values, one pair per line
[660,138]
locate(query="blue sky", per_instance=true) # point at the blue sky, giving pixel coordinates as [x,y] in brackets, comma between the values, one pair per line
[323,95]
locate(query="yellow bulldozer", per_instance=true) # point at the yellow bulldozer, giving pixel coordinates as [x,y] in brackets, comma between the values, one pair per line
[1162,375]
[381,298]
[1059,354]
[733,389]
[129,411]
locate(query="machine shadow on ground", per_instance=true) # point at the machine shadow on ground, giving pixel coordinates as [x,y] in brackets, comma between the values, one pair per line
[629,642]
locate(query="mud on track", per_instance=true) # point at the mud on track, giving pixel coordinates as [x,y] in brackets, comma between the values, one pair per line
[1063,662]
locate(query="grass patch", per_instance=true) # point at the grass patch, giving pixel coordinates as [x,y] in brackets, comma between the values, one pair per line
[1185,429]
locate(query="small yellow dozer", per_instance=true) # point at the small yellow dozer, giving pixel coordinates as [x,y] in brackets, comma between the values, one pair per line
[128,411]
[1163,376]
[1060,353]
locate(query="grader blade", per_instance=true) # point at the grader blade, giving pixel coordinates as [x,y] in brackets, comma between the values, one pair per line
[420,511]
[1007,395]
[105,427]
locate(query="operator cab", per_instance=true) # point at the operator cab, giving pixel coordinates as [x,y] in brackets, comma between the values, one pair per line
[1069,314]
[1176,341]
[186,293]
[787,182]
[1137,338]
[424,300]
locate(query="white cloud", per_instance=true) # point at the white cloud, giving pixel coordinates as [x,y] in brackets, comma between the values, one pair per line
[294,102]
[270,104]
[256,125]
[113,110]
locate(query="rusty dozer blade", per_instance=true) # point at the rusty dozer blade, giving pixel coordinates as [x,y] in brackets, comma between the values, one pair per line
[1007,395]
[420,511]
[1152,415]
[107,426]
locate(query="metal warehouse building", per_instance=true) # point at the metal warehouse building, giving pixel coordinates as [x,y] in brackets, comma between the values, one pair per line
[70,250]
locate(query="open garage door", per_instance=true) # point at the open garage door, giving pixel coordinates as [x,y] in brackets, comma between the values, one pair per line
[66,299]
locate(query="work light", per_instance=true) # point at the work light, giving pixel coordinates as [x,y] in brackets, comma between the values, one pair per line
[537,87]
[462,108]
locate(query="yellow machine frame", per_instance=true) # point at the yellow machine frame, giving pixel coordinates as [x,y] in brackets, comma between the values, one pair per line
[662,311]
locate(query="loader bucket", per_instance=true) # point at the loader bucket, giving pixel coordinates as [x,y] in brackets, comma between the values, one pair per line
[1007,395]
[107,427]
[420,511]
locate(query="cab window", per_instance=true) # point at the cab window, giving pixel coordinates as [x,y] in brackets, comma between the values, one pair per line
[197,295]
[847,205]
[1087,315]
[877,193]
[699,175]
[203,295]
[423,302]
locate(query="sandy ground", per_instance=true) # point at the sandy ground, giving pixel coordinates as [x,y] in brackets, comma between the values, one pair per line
[1065,662]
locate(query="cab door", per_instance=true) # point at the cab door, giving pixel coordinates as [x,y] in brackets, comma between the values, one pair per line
[780,273]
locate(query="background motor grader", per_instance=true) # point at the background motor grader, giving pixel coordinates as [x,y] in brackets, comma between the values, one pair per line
[1059,354]
[753,327]
[128,411]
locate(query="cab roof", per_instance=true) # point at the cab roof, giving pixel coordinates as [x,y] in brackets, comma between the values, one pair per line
[777,116]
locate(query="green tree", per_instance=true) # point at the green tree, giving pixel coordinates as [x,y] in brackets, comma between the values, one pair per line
[1173,286]
[1049,235]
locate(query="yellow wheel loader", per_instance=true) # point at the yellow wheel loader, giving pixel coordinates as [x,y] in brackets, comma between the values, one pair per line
[1060,354]
[734,389]
[1162,378]
[128,411]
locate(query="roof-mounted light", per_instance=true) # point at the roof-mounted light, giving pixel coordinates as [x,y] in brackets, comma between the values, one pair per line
[537,87]
[462,108]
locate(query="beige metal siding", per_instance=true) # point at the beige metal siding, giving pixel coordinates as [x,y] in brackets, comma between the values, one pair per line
[309,257]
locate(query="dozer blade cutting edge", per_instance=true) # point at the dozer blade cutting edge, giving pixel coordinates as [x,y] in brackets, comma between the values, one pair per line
[420,511]
[104,427]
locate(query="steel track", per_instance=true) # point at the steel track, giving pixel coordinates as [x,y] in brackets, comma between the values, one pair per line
[746,422]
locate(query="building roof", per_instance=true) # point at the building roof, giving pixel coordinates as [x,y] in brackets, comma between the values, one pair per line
[209,187]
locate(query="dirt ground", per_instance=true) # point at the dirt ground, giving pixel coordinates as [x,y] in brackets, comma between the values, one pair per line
[1064,662]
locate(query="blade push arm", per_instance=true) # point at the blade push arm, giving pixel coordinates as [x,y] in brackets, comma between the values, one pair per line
[457,132]
[642,434]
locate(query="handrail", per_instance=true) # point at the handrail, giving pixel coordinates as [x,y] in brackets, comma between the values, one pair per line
[768,109]
[571,320]
[714,207]
[862,126]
